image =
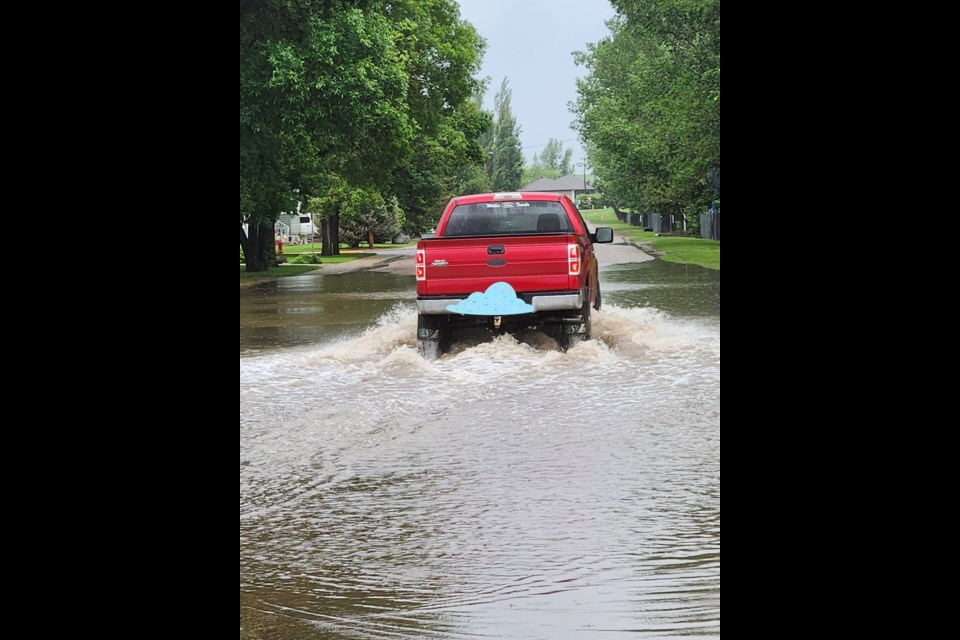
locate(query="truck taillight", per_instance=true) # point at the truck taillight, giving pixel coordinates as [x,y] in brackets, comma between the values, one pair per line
[421,265]
[573,256]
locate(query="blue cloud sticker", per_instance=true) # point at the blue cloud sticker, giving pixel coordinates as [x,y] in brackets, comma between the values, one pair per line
[499,299]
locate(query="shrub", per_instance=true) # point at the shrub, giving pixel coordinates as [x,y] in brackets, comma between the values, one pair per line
[592,201]
[306,258]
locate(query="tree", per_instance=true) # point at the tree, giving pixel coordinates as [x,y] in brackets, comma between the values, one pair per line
[322,93]
[566,166]
[263,185]
[369,219]
[505,167]
[649,107]
[335,95]
[550,157]
[535,172]
[549,164]
[446,163]
[442,53]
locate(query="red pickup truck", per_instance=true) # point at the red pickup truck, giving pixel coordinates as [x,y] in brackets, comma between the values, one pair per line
[507,261]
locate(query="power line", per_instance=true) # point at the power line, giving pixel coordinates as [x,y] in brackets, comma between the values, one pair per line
[534,146]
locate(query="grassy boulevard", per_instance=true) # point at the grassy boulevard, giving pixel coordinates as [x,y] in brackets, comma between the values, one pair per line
[298,254]
[288,269]
[683,250]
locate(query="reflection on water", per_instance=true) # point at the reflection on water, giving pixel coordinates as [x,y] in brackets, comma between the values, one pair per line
[309,309]
[680,289]
[505,490]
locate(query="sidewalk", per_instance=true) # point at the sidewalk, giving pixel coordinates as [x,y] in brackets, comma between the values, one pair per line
[383,262]
[619,251]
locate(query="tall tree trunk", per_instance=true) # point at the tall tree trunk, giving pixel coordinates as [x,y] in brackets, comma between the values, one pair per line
[330,235]
[335,233]
[370,237]
[325,240]
[330,227]
[268,245]
[245,244]
[258,247]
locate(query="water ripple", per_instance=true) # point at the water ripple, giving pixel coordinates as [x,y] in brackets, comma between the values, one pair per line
[505,490]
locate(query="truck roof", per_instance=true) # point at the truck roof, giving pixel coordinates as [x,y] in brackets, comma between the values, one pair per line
[508,195]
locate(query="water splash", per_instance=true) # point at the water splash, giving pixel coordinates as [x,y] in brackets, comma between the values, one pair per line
[391,346]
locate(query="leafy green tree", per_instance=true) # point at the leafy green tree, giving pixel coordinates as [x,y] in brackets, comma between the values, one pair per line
[505,166]
[389,222]
[446,163]
[550,157]
[549,164]
[370,220]
[566,165]
[533,173]
[649,107]
[322,93]
[443,52]
[335,97]
[471,179]
[264,188]
[338,198]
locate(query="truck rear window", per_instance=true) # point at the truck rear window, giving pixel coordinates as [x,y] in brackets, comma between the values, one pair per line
[514,217]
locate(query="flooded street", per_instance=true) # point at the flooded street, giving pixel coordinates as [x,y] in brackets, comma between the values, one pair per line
[505,490]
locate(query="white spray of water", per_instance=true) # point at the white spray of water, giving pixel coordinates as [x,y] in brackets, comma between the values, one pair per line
[391,346]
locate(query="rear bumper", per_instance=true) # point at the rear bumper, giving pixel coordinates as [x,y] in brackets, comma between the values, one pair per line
[540,301]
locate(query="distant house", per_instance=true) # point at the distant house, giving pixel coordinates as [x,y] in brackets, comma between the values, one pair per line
[571,185]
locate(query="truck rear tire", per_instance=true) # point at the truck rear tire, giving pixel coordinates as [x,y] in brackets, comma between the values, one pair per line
[587,321]
[566,339]
[434,336]
[428,333]
[586,324]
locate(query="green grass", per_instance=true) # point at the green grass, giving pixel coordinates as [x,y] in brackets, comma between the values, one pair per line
[679,249]
[343,257]
[315,247]
[287,270]
[705,253]
[607,218]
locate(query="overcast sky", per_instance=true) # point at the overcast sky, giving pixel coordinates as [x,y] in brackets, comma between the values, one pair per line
[530,42]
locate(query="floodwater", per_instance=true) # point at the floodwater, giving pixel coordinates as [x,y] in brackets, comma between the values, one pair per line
[506,490]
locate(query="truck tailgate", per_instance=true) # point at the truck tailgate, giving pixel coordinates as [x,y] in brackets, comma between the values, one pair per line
[464,265]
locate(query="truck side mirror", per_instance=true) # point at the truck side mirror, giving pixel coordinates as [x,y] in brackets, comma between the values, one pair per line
[604,234]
